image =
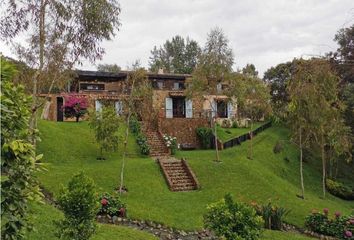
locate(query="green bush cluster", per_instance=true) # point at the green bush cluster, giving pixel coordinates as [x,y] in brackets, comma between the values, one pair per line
[339,190]
[278,147]
[233,220]
[79,203]
[112,205]
[339,226]
[141,140]
[272,215]
[204,135]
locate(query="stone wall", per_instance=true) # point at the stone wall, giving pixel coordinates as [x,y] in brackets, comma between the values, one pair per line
[182,128]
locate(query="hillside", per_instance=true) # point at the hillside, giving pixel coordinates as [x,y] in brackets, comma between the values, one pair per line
[70,147]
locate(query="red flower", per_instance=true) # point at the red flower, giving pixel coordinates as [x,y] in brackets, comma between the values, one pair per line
[104,202]
[122,212]
[337,214]
[325,211]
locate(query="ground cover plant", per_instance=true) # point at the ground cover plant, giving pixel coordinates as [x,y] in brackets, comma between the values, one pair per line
[267,176]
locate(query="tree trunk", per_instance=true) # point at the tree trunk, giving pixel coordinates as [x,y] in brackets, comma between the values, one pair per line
[323,166]
[301,165]
[251,142]
[77,118]
[216,142]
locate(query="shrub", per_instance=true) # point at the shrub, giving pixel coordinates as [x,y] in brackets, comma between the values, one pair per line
[339,226]
[234,124]
[143,144]
[134,125]
[233,220]
[272,215]
[79,203]
[112,205]
[226,123]
[204,135]
[339,190]
[278,147]
[75,107]
[171,143]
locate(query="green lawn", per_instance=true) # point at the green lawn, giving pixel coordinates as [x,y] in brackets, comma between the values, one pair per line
[42,216]
[226,134]
[70,147]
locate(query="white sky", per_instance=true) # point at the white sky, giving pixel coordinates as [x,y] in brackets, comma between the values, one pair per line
[262,32]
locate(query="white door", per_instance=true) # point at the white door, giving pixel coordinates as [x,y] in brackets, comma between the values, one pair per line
[169,107]
[230,109]
[189,108]
[98,106]
[119,107]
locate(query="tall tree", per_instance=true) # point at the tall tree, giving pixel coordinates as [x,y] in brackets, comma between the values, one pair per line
[113,68]
[250,70]
[69,30]
[175,56]
[215,67]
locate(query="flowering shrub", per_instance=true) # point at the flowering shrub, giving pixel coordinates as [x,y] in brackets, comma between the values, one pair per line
[143,144]
[112,205]
[339,226]
[171,143]
[233,220]
[75,107]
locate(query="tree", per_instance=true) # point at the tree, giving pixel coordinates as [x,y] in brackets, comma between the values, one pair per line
[277,78]
[18,160]
[105,126]
[175,56]
[250,70]
[233,220]
[79,202]
[113,68]
[215,67]
[139,91]
[75,107]
[256,103]
[60,34]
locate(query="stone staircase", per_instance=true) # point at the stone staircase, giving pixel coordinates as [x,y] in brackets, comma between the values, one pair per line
[155,141]
[178,174]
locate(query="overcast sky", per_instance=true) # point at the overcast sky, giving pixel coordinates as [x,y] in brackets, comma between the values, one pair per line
[262,32]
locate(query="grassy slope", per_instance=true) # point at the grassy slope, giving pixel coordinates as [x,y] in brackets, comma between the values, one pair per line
[226,134]
[69,147]
[44,215]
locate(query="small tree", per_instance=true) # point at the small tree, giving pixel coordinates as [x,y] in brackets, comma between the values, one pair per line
[105,124]
[233,220]
[79,202]
[75,107]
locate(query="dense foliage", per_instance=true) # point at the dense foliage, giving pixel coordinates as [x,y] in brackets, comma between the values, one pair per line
[112,205]
[135,128]
[75,107]
[105,125]
[339,190]
[79,203]
[272,215]
[175,56]
[18,159]
[233,220]
[204,135]
[339,226]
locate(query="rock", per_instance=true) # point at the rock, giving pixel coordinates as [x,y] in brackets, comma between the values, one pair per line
[119,219]
[114,219]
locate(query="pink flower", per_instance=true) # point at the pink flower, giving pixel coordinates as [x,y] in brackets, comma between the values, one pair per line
[104,202]
[325,211]
[337,214]
[351,221]
[348,234]
[122,212]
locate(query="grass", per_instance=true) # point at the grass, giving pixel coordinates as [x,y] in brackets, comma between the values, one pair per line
[43,217]
[70,147]
[226,134]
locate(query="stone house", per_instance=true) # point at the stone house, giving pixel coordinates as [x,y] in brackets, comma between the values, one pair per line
[175,114]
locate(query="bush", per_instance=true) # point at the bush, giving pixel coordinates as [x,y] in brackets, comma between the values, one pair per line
[339,190]
[226,123]
[339,226]
[79,203]
[75,107]
[143,144]
[112,205]
[233,220]
[171,143]
[204,135]
[234,124]
[272,215]
[134,125]
[278,147]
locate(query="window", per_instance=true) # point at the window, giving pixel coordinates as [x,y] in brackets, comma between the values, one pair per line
[157,84]
[179,107]
[91,86]
[221,107]
[178,86]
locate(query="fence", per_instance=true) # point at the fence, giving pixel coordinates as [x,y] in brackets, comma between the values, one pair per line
[238,140]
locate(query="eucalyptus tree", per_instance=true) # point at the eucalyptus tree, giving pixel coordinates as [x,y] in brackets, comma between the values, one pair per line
[213,69]
[113,68]
[69,30]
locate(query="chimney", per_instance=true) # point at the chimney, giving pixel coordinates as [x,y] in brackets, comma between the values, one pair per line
[160,71]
